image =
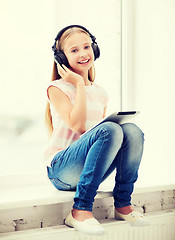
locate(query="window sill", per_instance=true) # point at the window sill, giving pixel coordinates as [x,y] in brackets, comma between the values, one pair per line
[41,205]
[36,189]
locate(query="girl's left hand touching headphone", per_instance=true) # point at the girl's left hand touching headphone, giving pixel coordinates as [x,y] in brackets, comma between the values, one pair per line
[69,76]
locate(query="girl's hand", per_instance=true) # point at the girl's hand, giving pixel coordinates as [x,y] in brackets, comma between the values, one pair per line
[69,76]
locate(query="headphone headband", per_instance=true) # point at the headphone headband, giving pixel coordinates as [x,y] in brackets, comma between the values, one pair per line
[71,26]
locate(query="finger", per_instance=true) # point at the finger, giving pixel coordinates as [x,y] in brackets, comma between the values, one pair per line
[58,64]
[61,71]
[60,67]
[65,68]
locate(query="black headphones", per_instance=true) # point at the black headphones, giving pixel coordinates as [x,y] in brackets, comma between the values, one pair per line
[59,55]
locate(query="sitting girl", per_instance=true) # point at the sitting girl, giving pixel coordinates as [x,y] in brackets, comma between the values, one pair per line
[81,163]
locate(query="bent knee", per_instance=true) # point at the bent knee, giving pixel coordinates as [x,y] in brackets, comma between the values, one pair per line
[132,131]
[114,129]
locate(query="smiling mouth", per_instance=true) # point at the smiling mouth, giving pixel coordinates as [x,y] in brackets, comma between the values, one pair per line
[84,61]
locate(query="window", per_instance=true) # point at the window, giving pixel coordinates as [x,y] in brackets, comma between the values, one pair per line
[28,29]
[148,83]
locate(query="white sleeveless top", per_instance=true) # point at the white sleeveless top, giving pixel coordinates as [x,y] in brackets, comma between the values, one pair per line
[63,136]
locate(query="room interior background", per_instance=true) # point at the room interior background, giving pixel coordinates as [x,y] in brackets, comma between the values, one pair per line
[136,67]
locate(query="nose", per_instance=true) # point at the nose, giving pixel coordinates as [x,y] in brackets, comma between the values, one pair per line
[83,53]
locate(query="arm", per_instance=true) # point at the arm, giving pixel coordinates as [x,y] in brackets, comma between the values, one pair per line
[73,115]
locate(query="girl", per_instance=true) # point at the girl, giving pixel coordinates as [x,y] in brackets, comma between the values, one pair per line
[81,163]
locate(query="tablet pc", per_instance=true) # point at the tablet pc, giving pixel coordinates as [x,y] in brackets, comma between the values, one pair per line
[117,117]
[120,117]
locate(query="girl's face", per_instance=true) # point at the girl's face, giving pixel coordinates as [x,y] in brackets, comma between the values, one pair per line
[79,52]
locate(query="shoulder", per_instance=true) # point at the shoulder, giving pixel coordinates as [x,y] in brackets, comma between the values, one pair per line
[66,88]
[60,83]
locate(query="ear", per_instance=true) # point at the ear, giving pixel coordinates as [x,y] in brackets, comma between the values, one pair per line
[61,58]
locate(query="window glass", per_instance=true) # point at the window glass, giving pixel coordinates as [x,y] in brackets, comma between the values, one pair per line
[28,29]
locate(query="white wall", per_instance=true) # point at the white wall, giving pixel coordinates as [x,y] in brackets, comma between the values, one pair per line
[152,83]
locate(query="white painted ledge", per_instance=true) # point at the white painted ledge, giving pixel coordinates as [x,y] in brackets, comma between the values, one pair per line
[30,206]
[33,190]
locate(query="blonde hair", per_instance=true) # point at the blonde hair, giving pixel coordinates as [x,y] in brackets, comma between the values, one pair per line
[55,75]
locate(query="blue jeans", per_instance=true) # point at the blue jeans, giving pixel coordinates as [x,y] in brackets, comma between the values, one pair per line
[92,158]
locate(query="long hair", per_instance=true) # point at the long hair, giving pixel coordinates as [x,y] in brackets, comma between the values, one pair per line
[56,76]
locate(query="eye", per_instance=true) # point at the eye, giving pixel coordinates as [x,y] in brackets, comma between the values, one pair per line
[87,47]
[74,50]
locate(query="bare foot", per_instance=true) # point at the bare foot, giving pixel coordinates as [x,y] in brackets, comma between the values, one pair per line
[125,210]
[81,215]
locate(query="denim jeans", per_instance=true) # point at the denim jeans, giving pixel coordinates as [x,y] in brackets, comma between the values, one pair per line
[92,158]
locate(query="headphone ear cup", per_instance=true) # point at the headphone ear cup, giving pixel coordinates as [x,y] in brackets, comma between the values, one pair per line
[96,51]
[61,58]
